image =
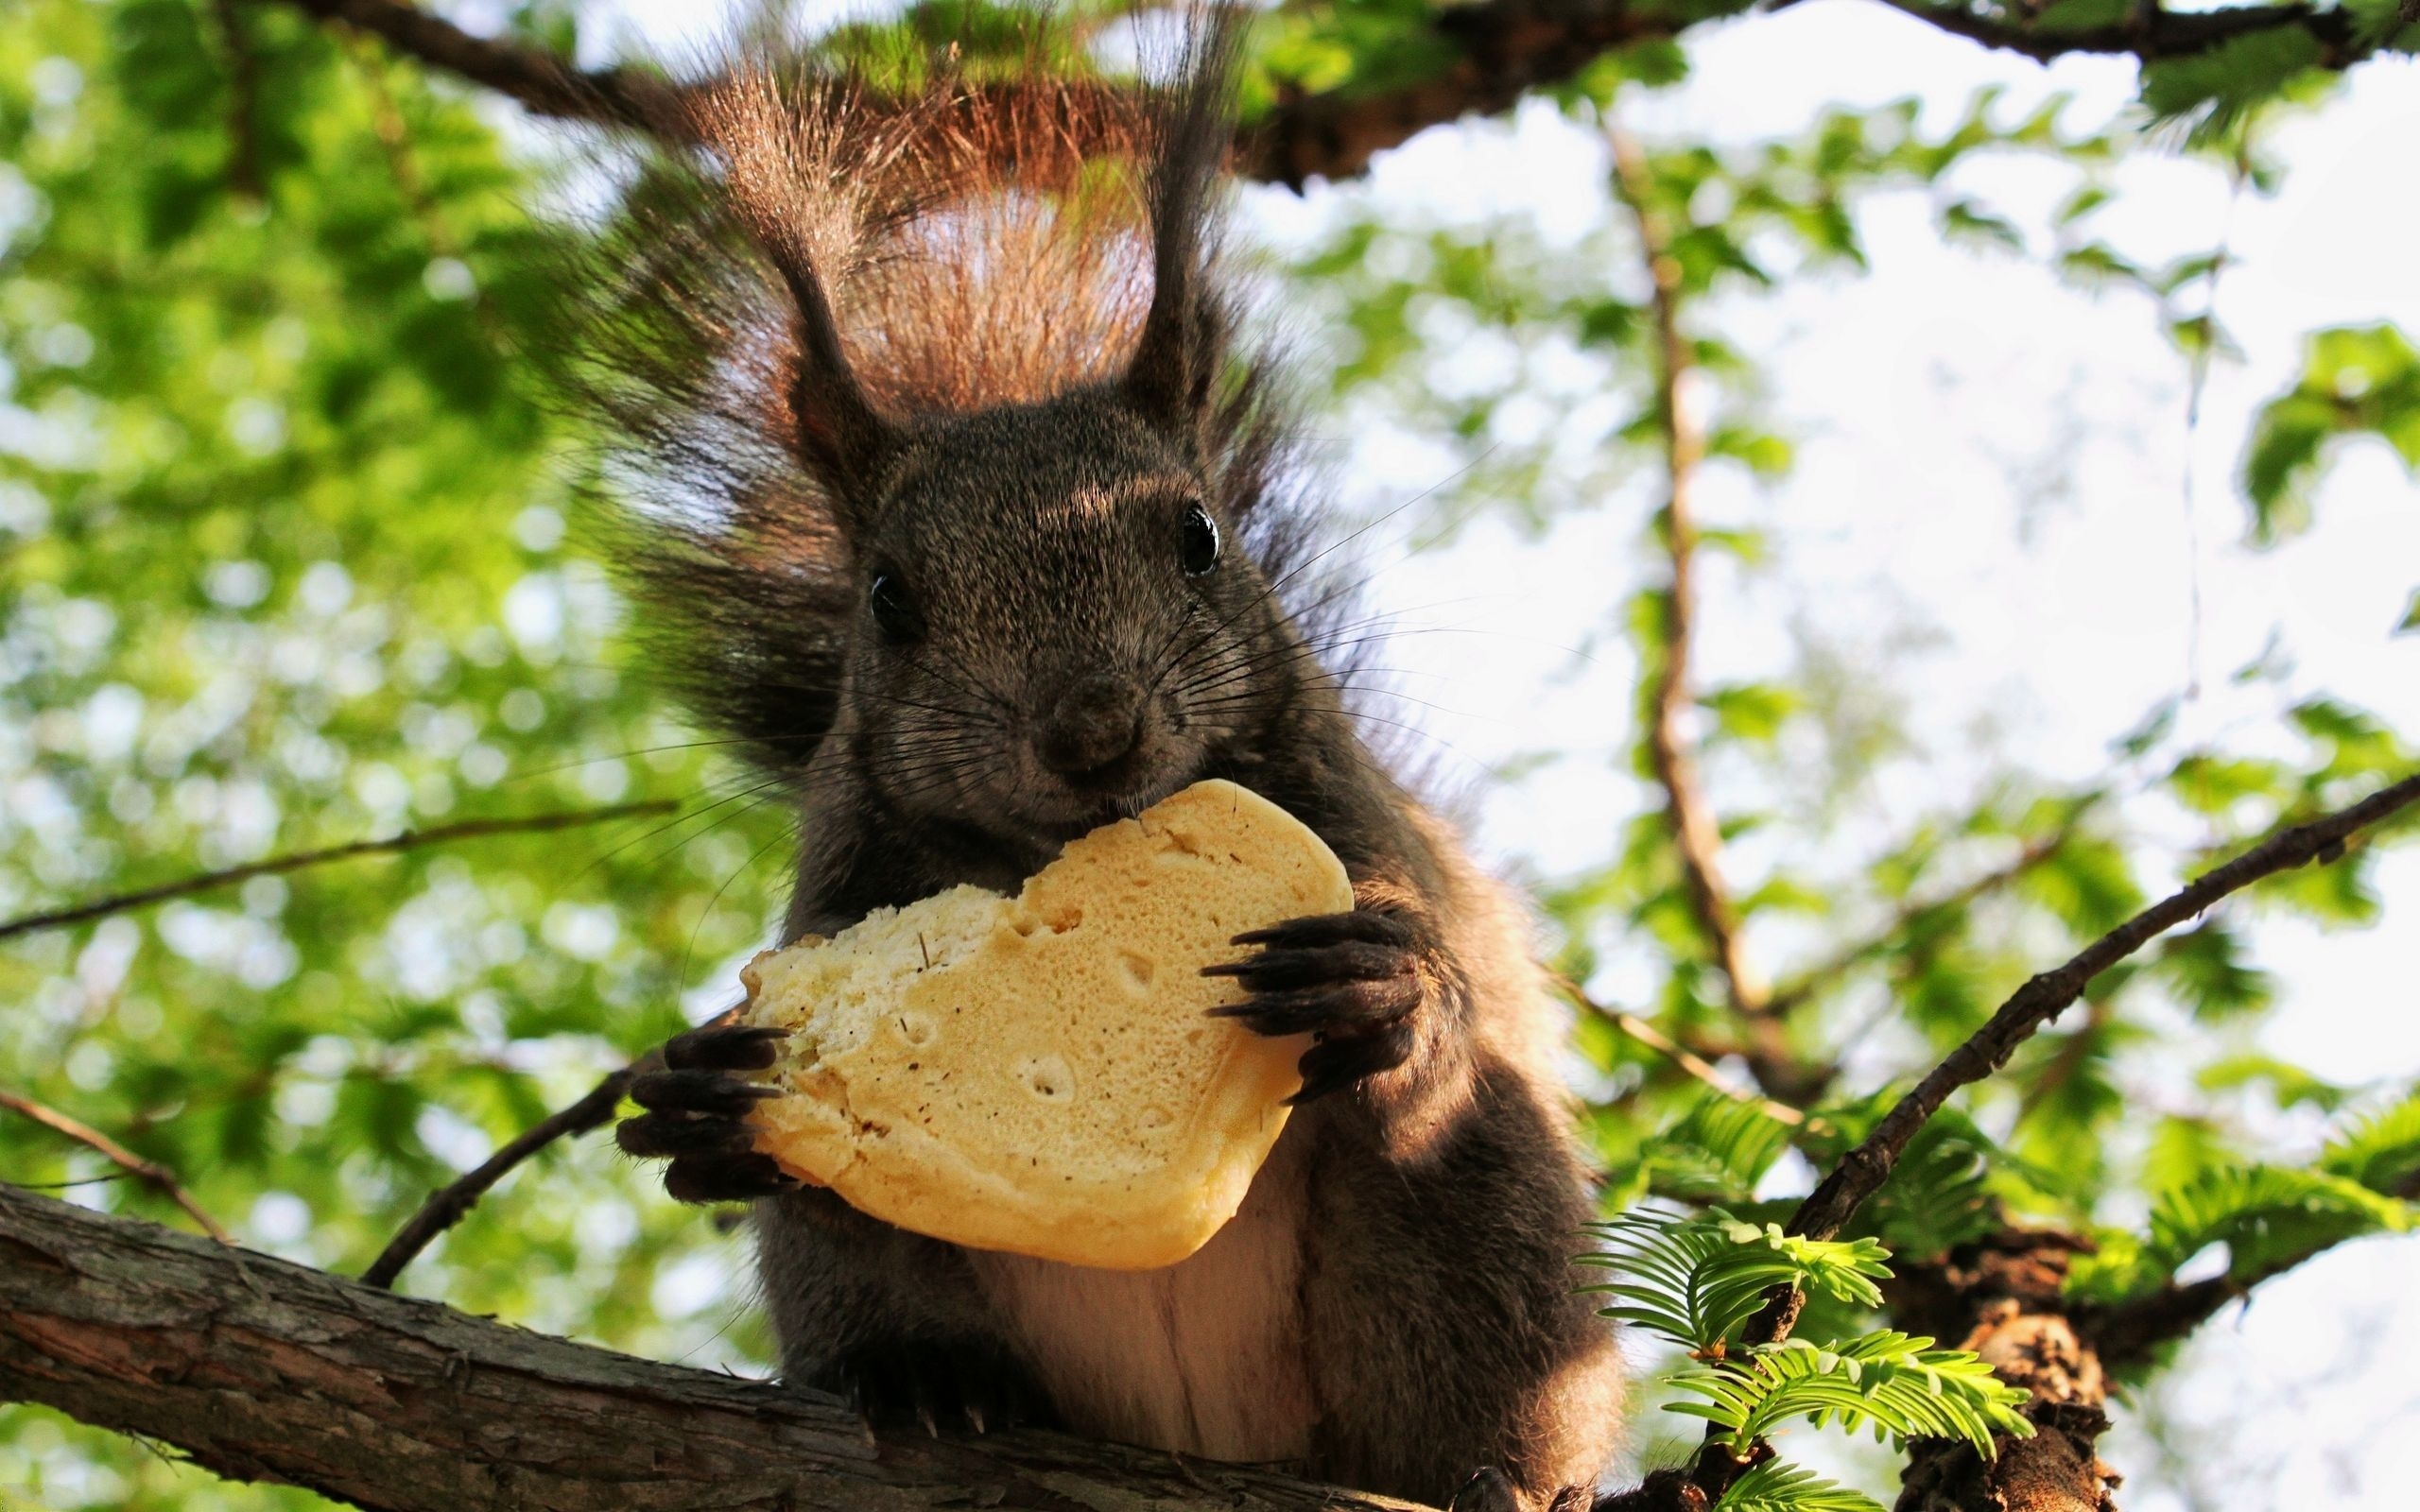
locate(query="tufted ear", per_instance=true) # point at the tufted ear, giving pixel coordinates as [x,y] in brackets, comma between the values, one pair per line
[842,439]
[1173,375]
[801,187]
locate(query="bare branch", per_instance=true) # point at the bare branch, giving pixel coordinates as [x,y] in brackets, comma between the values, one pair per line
[446,1205]
[543,83]
[1865,1168]
[2150,34]
[1824,974]
[243,107]
[1497,51]
[262,1369]
[150,1172]
[1697,834]
[278,865]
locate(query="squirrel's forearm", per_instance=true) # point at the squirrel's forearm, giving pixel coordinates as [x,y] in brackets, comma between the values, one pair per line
[1408,1107]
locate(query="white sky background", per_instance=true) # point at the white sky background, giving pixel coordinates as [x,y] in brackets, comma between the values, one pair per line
[1993,458]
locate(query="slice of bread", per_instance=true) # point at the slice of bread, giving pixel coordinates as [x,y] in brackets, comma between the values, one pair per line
[1038,1073]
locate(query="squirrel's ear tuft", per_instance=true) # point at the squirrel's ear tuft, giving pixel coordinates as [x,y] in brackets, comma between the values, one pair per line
[842,439]
[1174,374]
[801,187]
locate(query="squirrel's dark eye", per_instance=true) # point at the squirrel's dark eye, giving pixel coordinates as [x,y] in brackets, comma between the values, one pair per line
[894,614]
[1198,548]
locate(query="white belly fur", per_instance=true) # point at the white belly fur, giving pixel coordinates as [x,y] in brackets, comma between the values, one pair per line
[1204,1357]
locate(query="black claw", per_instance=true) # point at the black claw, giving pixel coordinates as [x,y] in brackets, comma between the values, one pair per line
[1349,960]
[711,1093]
[724,1047]
[726,1179]
[1334,1064]
[1331,929]
[1487,1490]
[653,1136]
[930,1383]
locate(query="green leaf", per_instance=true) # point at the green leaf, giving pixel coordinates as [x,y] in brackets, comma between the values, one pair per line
[1776,1487]
[1715,1152]
[1899,1386]
[1695,1281]
[2381,1150]
[2268,1216]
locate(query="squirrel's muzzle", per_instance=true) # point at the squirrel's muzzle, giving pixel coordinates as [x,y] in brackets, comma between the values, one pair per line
[1092,728]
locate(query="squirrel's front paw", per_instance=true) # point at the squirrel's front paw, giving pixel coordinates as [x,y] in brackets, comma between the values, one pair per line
[697,1116]
[1353,980]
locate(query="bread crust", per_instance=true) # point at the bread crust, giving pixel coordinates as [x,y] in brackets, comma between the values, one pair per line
[1042,1073]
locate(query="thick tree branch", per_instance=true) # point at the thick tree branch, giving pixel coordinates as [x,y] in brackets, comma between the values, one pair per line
[261,1369]
[543,83]
[150,1172]
[2127,1333]
[1497,50]
[278,865]
[2147,33]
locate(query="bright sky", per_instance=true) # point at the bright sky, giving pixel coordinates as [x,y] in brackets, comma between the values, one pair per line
[1997,462]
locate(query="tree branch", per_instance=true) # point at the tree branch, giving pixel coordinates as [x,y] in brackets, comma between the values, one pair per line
[151,1173]
[2150,34]
[543,83]
[1697,834]
[1808,982]
[446,1205]
[1864,1169]
[261,1369]
[276,866]
[1497,51]
[1688,1060]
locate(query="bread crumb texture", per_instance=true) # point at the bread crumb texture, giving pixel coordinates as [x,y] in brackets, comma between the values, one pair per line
[1038,1073]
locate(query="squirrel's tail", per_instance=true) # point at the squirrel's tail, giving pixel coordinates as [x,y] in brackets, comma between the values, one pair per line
[849,250]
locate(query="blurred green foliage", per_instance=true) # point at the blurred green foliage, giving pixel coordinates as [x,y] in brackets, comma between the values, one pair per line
[288,557]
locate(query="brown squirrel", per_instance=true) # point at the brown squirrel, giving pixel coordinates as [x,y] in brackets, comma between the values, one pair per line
[967,515]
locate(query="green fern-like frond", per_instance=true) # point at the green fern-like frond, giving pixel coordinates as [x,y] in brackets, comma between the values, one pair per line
[1775,1486]
[1715,1152]
[2268,1216]
[1899,1387]
[2380,1151]
[1695,1280]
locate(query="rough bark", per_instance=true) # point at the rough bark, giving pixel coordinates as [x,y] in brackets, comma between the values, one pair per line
[261,1369]
[2001,1299]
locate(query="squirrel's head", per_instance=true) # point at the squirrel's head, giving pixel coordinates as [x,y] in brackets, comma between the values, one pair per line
[966,449]
[1054,624]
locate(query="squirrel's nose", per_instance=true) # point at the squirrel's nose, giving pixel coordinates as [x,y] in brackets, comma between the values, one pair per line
[1098,720]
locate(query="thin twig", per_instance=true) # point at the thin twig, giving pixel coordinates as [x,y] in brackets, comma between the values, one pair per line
[243,108]
[1806,984]
[446,1205]
[1863,1170]
[1672,1050]
[150,1172]
[2126,1333]
[277,865]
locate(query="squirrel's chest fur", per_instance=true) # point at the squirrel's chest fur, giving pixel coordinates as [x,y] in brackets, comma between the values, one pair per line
[1204,1357]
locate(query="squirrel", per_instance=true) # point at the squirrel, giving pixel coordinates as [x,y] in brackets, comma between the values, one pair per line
[972,513]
